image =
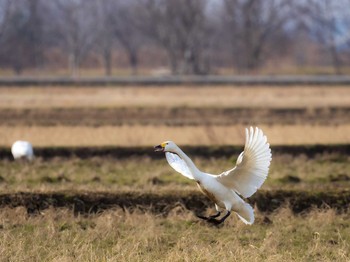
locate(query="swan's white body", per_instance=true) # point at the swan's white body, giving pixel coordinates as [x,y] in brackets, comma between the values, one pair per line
[244,179]
[22,149]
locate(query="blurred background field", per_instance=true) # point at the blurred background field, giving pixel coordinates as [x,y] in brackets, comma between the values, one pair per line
[189,115]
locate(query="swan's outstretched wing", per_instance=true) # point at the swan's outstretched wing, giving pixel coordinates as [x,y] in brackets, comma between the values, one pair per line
[252,165]
[178,164]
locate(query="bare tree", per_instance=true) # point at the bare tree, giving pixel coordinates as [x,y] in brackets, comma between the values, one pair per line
[4,14]
[35,31]
[106,37]
[251,25]
[346,38]
[188,34]
[117,20]
[328,25]
[180,27]
[127,32]
[75,22]
[22,35]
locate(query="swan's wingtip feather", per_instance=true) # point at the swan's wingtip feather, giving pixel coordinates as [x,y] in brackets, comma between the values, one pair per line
[248,213]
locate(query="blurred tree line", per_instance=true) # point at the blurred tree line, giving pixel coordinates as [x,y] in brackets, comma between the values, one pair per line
[187,36]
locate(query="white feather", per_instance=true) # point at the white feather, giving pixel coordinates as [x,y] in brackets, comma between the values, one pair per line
[246,214]
[178,164]
[252,165]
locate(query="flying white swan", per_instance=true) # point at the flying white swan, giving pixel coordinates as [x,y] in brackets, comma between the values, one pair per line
[22,149]
[245,178]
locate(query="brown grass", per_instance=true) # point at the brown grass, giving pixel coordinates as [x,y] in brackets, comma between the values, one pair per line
[211,96]
[319,173]
[114,235]
[57,235]
[135,98]
[137,135]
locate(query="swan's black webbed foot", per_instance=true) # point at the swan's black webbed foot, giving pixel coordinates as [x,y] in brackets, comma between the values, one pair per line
[212,220]
[209,219]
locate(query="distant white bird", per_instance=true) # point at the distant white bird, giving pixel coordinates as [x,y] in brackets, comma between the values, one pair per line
[245,178]
[22,149]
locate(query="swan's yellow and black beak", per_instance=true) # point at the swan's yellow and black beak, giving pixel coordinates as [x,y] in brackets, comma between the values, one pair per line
[160,148]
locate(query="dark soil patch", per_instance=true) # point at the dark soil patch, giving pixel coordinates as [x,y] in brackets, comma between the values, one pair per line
[194,151]
[54,180]
[337,178]
[92,202]
[290,179]
[173,116]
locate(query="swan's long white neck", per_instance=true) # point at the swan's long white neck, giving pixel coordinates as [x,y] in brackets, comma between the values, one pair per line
[194,170]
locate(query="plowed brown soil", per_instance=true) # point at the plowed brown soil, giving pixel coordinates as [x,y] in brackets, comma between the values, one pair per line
[178,116]
[91,202]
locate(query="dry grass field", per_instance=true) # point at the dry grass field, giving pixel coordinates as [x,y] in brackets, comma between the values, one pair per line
[140,135]
[170,96]
[129,116]
[42,230]
[58,235]
[108,174]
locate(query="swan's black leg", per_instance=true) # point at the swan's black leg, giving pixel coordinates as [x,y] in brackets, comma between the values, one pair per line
[219,221]
[216,215]
[225,216]
[202,217]
[210,217]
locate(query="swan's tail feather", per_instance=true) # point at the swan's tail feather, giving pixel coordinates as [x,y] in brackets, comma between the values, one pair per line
[246,214]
